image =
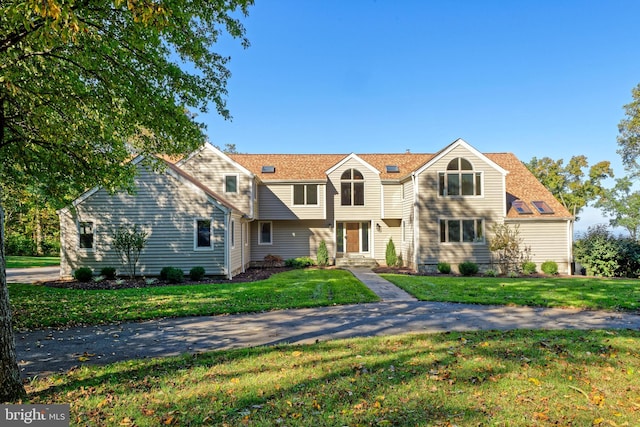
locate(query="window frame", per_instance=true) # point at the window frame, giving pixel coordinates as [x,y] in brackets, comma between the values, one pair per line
[355,187]
[445,234]
[305,194]
[80,225]
[226,184]
[232,227]
[446,178]
[196,235]
[260,241]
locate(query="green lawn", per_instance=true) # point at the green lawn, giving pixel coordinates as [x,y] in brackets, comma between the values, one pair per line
[37,307]
[32,261]
[579,292]
[485,378]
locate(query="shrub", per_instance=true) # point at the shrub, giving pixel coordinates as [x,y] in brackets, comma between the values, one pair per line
[272,261]
[300,262]
[108,272]
[549,267]
[468,268]
[444,267]
[400,261]
[323,254]
[491,273]
[508,248]
[603,254]
[197,273]
[164,273]
[529,267]
[390,255]
[129,244]
[175,275]
[83,274]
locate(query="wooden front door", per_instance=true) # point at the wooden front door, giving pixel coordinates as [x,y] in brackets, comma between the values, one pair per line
[353,237]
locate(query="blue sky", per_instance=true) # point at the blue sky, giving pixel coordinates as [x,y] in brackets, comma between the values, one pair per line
[536,78]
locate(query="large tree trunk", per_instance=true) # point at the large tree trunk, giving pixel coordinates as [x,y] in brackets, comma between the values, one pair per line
[11,388]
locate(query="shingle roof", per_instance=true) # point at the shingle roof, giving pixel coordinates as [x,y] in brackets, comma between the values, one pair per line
[520,183]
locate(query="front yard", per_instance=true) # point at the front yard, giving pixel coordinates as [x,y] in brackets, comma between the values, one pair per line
[37,306]
[576,292]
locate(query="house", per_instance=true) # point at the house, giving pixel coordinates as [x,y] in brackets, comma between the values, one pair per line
[227,212]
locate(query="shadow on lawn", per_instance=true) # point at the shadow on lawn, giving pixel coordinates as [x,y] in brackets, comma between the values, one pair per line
[420,375]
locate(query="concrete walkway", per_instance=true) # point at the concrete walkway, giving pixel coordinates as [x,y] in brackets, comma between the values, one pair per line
[46,351]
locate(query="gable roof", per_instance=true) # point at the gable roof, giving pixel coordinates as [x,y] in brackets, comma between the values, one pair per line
[461,143]
[522,184]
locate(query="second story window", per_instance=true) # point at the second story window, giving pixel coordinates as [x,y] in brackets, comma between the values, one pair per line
[459,179]
[231,183]
[305,194]
[352,188]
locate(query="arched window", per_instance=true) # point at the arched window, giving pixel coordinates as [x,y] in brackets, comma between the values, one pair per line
[352,188]
[460,179]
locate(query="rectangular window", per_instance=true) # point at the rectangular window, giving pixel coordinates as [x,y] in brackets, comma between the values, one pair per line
[265,233]
[365,236]
[345,191]
[203,234]
[459,184]
[231,183]
[86,235]
[305,194]
[461,230]
[358,193]
[340,237]
[233,234]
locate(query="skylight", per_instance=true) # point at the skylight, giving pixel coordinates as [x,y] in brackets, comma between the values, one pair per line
[542,207]
[268,169]
[521,207]
[393,169]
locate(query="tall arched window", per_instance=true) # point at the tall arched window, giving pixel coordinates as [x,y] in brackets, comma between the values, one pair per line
[460,179]
[352,188]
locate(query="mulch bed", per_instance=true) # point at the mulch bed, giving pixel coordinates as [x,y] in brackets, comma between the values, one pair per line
[251,275]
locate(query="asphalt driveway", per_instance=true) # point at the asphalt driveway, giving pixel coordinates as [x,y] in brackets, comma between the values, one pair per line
[33,274]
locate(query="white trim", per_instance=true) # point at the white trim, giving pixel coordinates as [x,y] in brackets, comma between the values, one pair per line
[227,246]
[461,143]
[416,221]
[197,248]
[232,229]
[352,156]
[260,242]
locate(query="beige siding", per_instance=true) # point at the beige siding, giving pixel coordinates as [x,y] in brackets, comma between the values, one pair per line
[372,197]
[163,206]
[210,169]
[488,206]
[392,205]
[292,239]
[276,202]
[548,240]
[239,250]
[389,229]
[408,221]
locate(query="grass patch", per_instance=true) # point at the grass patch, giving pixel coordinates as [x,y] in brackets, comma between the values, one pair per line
[36,307]
[505,378]
[32,261]
[587,293]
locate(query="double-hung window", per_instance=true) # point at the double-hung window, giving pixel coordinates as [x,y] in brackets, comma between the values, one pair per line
[231,183]
[460,179]
[461,231]
[203,234]
[265,233]
[86,232]
[305,194]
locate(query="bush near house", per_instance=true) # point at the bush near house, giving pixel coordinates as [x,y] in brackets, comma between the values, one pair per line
[109,273]
[549,267]
[83,274]
[444,267]
[323,254]
[529,267]
[300,262]
[197,273]
[271,260]
[468,268]
[391,258]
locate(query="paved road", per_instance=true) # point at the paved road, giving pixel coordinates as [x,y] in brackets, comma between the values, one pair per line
[32,275]
[44,352]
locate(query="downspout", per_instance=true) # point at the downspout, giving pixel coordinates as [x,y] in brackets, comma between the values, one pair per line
[416,228]
[227,244]
[570,246]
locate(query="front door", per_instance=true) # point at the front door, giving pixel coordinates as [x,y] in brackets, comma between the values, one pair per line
[353,237]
